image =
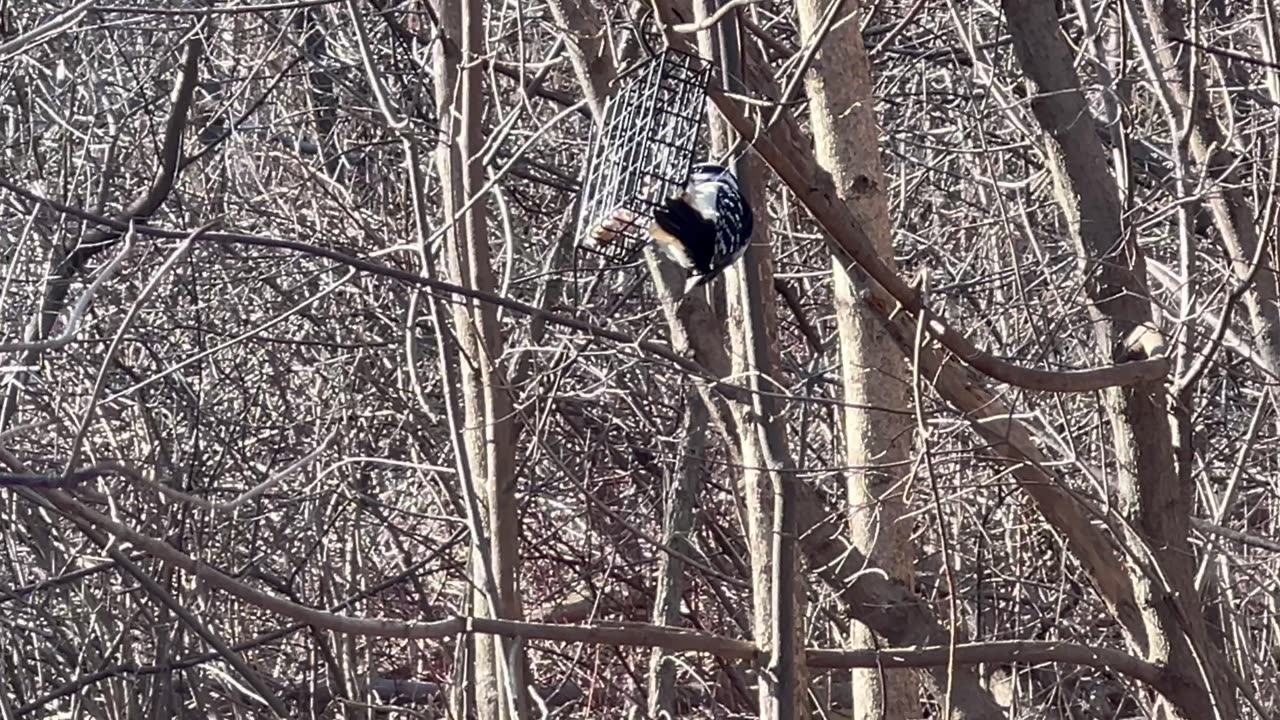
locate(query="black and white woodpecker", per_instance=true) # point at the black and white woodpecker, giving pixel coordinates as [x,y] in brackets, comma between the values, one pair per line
[706,228]
[1142,343]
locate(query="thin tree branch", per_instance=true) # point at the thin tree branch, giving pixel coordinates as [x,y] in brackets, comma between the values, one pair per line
[66,268]
[813,187]
[729,390]
[628,634]
[1008,651]
[45,30]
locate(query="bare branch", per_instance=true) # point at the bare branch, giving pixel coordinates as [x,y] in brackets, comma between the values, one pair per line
[44,31]
[1008,651]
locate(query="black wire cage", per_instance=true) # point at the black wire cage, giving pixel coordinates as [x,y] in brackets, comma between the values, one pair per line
[642,153]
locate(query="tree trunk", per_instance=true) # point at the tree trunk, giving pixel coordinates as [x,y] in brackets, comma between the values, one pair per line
[768,485]
[1156,504]
[877,424]
[678,523]
[486,404]
[586,49]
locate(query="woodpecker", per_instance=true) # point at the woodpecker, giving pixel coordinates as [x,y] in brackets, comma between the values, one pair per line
[1143,342]
[706,228]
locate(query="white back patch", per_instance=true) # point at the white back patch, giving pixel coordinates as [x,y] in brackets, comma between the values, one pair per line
[703,197]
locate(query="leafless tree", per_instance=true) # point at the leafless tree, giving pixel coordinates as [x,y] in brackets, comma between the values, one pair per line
[310,408]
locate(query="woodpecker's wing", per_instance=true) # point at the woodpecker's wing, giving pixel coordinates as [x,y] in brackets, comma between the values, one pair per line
[707,228]
[733,227]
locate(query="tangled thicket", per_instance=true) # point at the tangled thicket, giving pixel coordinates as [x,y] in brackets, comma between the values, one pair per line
[239,359]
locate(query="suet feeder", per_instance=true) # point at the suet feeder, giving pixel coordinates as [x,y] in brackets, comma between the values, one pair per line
[642,152]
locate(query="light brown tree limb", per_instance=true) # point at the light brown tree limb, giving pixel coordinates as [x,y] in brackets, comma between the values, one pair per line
[634,634]
[1006,651]
[628,634]
[813,187]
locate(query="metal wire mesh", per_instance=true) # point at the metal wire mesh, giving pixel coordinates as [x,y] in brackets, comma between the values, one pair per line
[643,152]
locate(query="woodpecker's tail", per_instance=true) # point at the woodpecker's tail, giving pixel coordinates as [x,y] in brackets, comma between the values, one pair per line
[697,280]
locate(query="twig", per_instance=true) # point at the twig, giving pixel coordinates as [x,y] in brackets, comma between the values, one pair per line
[1232,54]
[38,480]
[708,22]
[73,454]
[626,633]
[814,188]
[261,691]
[1005,651]
[45,30]
[72,325]
[143,206]
[728,390]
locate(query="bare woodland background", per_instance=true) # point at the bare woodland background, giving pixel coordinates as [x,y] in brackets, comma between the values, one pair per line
[306,413]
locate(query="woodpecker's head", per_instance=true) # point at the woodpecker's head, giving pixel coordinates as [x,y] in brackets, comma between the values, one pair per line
[707,172]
